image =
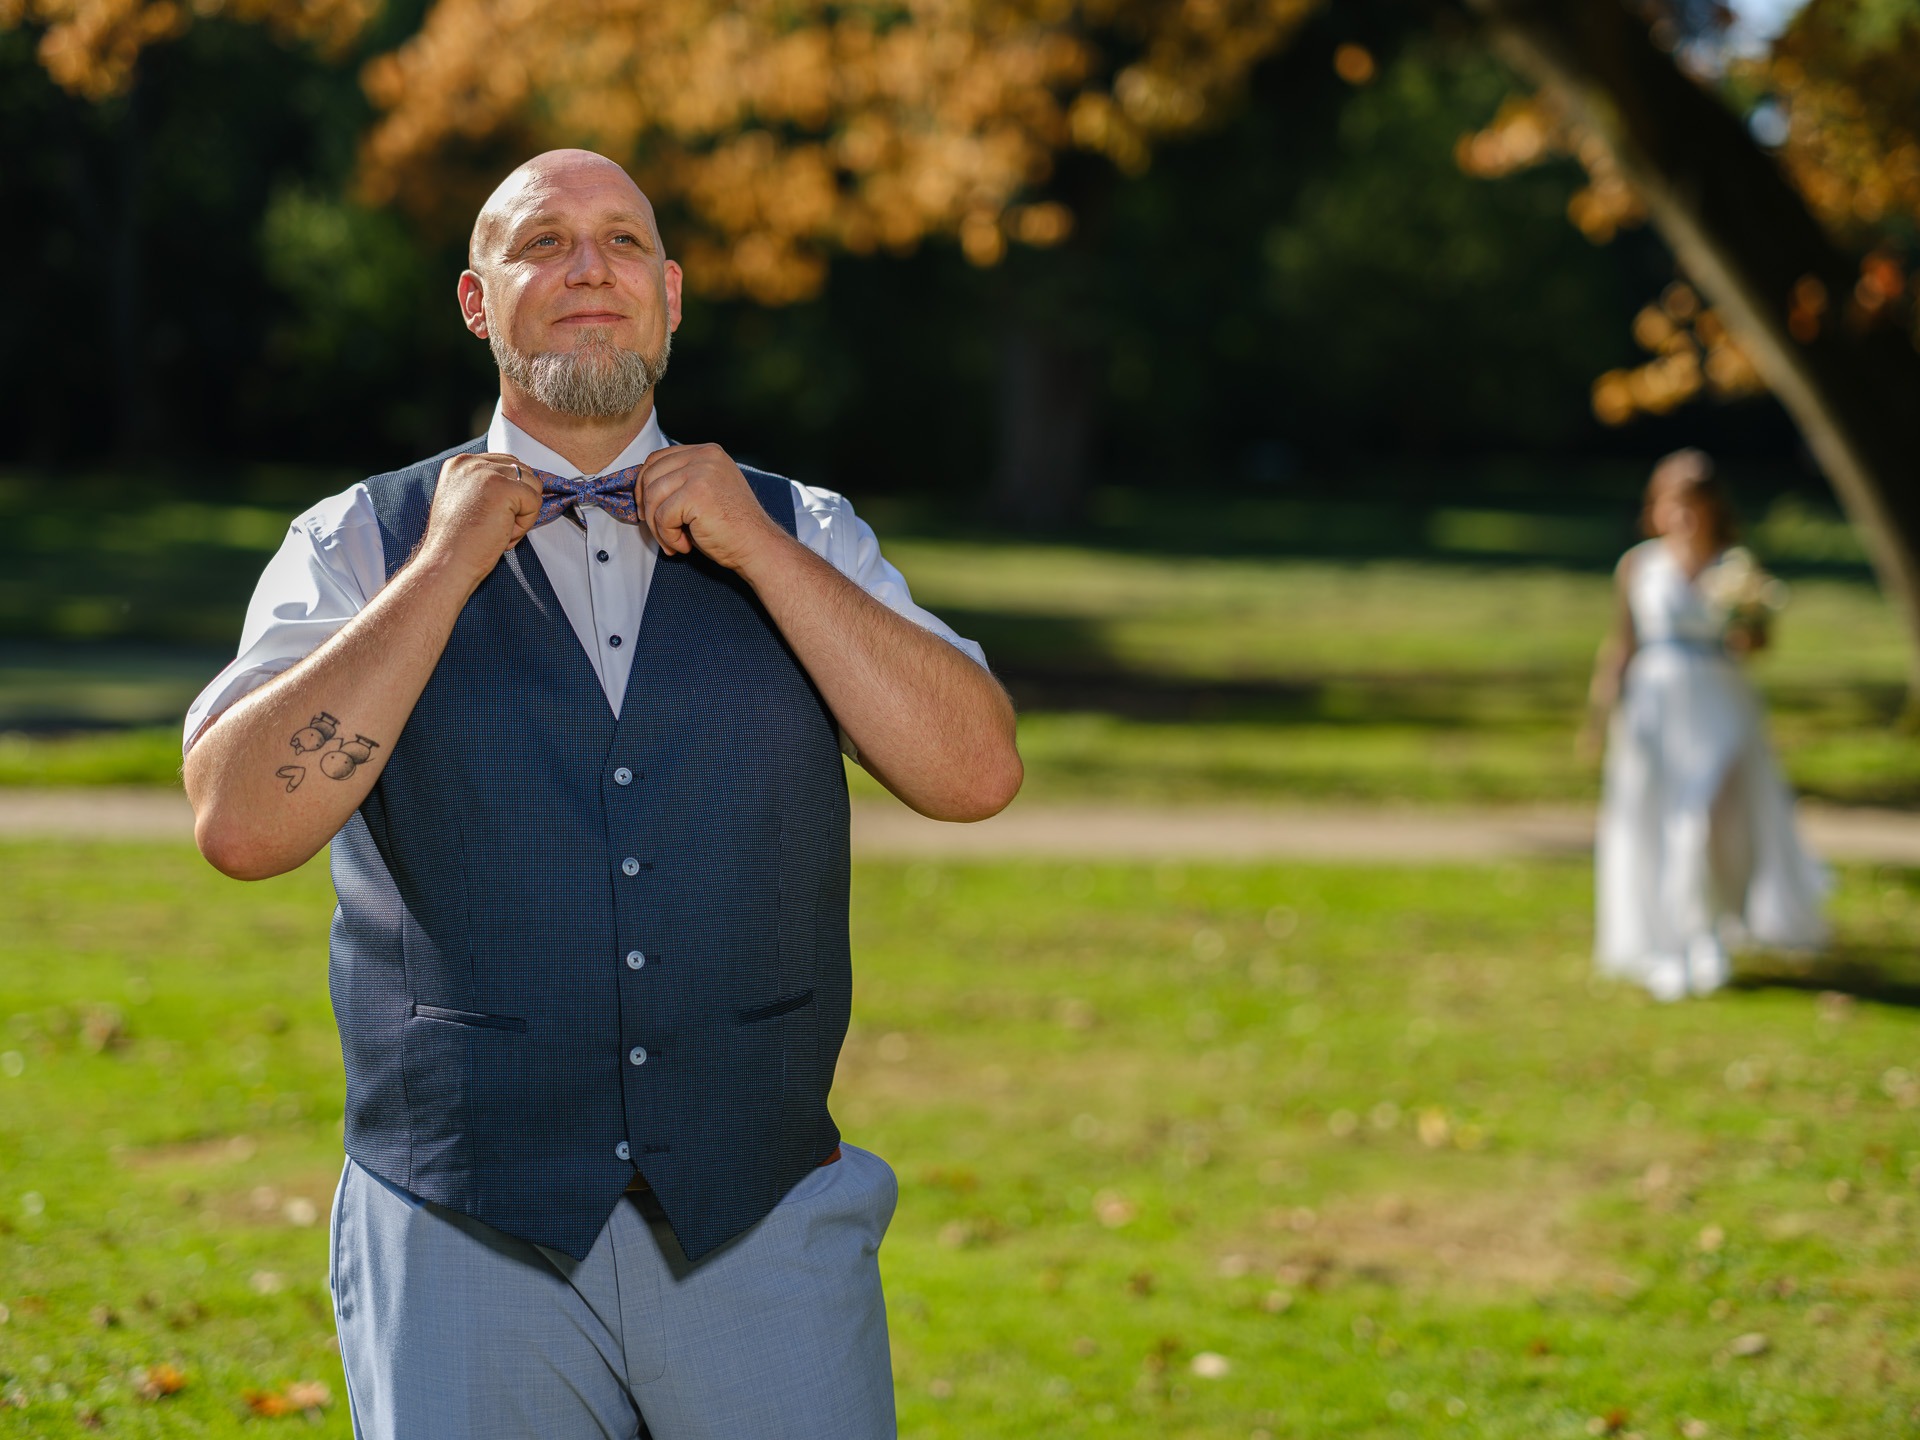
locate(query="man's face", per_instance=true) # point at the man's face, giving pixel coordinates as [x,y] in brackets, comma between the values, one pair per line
[567,259]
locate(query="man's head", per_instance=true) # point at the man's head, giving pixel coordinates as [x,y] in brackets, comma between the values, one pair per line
[568,282]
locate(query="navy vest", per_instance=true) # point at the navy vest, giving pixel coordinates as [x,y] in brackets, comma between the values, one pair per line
[570,947]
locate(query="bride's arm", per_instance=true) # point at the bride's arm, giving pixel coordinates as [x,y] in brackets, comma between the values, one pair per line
[1610,665]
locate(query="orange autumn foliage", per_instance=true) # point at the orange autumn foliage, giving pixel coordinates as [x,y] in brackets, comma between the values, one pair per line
[786,132]
[1847,77]
[1848,92]
[90,47]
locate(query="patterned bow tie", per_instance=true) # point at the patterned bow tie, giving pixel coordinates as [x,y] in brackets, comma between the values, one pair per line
[612,493]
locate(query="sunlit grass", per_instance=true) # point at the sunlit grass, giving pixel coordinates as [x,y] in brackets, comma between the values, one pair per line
[1370,1136]
[1160,678]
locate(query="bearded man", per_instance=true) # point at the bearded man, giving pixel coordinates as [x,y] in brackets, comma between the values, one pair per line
[570,702]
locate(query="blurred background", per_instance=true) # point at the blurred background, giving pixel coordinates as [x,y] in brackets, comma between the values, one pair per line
[1334,285]
[1269,386]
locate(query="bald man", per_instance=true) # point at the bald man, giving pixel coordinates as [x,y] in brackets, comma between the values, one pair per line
[569,702]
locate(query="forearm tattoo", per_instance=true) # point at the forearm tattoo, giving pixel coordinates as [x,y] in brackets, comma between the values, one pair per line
[336,756]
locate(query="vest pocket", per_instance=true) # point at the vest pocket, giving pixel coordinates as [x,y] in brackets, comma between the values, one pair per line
[472,1017]
[756,1013]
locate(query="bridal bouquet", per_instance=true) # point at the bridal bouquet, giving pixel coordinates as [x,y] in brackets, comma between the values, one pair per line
[1745,597]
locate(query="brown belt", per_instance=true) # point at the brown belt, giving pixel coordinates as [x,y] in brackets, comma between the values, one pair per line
[638,1185]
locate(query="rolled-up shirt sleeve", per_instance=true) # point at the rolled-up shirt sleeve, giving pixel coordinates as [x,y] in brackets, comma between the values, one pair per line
[827,525]
[328,567]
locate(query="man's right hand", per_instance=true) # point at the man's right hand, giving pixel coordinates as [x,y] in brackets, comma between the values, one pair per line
[483,506]
[267,793]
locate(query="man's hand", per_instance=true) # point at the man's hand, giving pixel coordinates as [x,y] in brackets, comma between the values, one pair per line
[483,506]
[275,776]
[694,495]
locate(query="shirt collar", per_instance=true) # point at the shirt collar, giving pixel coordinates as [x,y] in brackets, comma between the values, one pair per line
[506,438]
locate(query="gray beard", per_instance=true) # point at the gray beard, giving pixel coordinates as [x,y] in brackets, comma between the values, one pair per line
[597,380]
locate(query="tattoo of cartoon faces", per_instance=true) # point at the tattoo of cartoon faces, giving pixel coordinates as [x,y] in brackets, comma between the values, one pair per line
[339,758]
[314,734]
[339,763]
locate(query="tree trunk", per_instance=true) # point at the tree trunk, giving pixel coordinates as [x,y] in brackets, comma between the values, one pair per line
[1744,235]
[1048,391]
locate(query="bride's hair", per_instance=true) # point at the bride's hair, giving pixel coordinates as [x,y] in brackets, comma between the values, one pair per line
[1688,476]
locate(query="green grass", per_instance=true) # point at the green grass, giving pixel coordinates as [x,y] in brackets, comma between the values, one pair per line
[1165,677]
[1372,1136]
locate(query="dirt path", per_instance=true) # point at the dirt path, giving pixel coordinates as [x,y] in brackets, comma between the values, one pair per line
[1102,832]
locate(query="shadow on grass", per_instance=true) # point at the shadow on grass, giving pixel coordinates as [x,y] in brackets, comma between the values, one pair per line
[1886,973]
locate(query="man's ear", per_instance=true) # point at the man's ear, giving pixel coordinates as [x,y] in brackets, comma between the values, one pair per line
[675,279]
[473,303]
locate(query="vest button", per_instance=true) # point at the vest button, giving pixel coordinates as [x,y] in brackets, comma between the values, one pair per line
[638,1055]
[635,960]
[602,556]
[630,866]
[623,776]
[621,1151]
[614,641]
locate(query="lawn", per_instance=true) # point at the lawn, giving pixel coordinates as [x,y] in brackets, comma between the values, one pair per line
[1186,1151]
[1368,648]
[1156,678]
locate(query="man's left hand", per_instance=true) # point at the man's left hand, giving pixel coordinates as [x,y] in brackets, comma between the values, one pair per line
[695,496]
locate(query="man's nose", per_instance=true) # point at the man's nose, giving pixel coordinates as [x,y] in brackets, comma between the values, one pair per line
[590,265]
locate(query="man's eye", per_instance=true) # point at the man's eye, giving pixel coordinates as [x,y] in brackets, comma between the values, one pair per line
[548,240]
[625,239]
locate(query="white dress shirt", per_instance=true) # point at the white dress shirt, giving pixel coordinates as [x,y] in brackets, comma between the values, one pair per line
[332,563]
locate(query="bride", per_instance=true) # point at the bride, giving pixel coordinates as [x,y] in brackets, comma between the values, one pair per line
[1696,851]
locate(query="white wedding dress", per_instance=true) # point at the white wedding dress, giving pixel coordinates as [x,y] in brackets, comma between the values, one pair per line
[1696,853]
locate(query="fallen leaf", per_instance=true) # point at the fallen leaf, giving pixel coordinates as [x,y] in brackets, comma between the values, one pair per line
[159,1381]
[1209,1366]
[269,1405]
[102,1029]
[1749,1345]
[1164,1349]
[309,1394]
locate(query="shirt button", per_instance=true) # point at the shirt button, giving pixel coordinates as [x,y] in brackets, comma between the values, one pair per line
[614,640]
[623,776]
[635,960]
[638,1055]
[602,556]
[630,866]
[621,1150]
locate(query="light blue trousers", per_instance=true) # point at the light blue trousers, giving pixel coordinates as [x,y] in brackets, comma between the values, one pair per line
[450,1330]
